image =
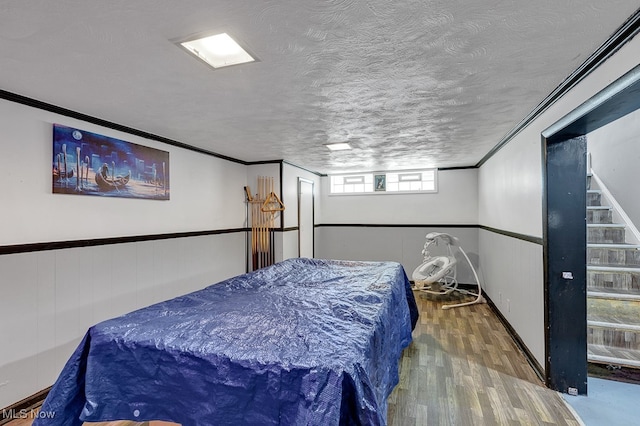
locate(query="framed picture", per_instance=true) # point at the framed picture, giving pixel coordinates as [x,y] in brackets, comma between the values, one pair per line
[380,182]
[86,163]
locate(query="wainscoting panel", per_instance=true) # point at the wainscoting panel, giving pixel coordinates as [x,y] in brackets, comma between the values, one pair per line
[50,298]
[395,243]
[512,274]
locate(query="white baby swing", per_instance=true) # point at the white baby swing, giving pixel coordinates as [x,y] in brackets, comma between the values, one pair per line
[437,274]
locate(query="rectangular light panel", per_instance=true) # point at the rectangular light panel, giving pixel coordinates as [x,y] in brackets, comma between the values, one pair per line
[218,50]
[338,146]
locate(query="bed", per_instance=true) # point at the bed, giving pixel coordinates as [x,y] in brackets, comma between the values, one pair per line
[304,341]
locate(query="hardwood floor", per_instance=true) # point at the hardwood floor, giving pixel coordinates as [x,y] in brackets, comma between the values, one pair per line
[461,369]
[464,369]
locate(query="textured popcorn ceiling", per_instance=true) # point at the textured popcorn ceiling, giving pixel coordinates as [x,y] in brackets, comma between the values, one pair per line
[407,83]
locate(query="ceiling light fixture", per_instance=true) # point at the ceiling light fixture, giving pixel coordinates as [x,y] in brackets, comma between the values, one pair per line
[338,146]
[218,50]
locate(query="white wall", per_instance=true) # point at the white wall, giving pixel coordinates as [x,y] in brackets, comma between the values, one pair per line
[455,203]
[290,175]
[512,276]
[398,244]
[510,199]
[201,195]
[615,158]
[50,298]
[510,183]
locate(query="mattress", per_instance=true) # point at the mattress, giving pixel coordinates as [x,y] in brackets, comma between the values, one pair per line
[302,342]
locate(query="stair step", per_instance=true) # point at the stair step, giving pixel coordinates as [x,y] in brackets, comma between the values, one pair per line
[605,355]
[614,335]
[613,283]
[613,255]
[613,233]
[613,279]
[633,328]
[594,197]
[614,246]
[614,313]
[598,215]
[612,269]
[613,295]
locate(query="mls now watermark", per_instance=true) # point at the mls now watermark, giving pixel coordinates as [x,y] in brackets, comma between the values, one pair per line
[32,414]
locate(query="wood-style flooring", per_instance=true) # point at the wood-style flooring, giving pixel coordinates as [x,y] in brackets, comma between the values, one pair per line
[464,369]
[461,369]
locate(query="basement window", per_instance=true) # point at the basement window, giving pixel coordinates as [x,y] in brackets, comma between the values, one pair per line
[400,182]
[352,184]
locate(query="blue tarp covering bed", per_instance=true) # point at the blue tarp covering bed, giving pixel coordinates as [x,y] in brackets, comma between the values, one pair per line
[302,342]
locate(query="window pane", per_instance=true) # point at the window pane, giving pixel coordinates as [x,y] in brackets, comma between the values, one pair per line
[354,179]
[404,181]
[406,177]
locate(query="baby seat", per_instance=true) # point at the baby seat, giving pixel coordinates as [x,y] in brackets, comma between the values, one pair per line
[437,274]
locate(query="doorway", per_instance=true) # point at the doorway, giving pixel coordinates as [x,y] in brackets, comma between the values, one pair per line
[305,218]
[564,229]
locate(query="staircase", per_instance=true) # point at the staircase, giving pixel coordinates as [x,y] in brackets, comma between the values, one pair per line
[613,288]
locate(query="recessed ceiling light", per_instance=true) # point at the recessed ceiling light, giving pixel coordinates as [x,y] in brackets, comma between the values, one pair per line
[218,50]
[338,146]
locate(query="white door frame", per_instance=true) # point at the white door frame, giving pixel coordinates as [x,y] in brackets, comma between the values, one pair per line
[301,229]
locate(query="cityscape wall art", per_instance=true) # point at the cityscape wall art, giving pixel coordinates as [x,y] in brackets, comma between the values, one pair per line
[86,163]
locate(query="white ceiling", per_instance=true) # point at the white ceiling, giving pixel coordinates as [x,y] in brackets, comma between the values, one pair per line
[411,83]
